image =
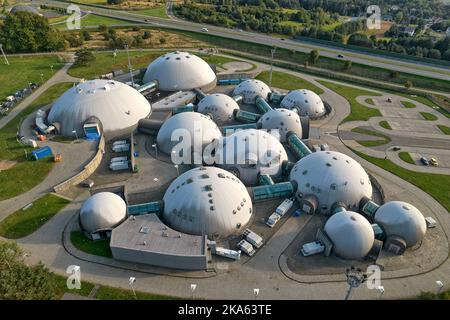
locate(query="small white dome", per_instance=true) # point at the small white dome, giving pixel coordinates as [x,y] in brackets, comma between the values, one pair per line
[351,234]
[248,153]
[194,124]
[180,71]
[402,219]
[284,120]
[117,105]
[307,102]
[332,177]
[252,88]
[219,106]
[102,211]
[207,201]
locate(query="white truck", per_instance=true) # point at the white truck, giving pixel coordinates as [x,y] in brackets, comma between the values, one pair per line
[246,247]
[311,248]
[284,207]
[119,159]
[118,142]
[228,253]
[273,219]
[121,148]
[253,238]
[120,165]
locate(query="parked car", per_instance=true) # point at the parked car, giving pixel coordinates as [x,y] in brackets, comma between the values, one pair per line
[87,183]
[205,30]
[340,56]
[425,161]
[434,162]
[396,148]
[389,100]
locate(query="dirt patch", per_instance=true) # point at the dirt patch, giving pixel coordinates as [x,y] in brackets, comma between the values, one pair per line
[6,164]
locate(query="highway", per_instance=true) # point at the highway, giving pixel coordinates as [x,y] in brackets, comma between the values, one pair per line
[417,68]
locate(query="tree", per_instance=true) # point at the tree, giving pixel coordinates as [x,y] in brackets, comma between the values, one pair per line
[162,40]
[434,54]
[146,35]
[103,28]
[84,57]
[314,56]
[86,35]
[408,84]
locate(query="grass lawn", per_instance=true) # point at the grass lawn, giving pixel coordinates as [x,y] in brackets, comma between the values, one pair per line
[435,185]
[110,293]
[428,116]
[371,143]
[159,12]
[29,173]
[90,20]
[370,101]
[405,156]
[105,63]
[408,104]
[445,295]
[98,247]
[444,129]
[287,81]
[385,124]
[358,111]
[24,222]
[25,69]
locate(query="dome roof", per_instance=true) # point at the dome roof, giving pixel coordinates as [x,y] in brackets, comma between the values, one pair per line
[248,153]
[402,219]
[351,234]
[284,120]
[252,88]
[307,102]
[219,106]
[180,71]
[117,105]
[332,177]
[193,123]
[102,211]
[207,200]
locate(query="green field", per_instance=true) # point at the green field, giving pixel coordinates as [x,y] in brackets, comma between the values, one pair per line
[25,69]
[92,20]
[371,143]
[405,156]
[384,124]
[159,12]
[24,222]
[408,104]
[109,293]
[358,111]
[428,116]
[287,81]
[98,247]
[29,173]
[435,185]
[444,129]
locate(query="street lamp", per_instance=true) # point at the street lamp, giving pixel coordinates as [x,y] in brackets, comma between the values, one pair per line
[131,281]
[355,277]
[440,285]
[75,133]
[272,54]
[155,146]
[256,292]
[42,78]
[193,288]
[178,170]
[51,67]
[380,289]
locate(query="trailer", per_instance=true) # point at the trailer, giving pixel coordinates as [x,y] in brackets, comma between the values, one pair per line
[284,207]
[42,153]
[246,247]
[312,248]
[119,159]
[121,148]
[253,238]
[121,165]
[118,142]
[228,253]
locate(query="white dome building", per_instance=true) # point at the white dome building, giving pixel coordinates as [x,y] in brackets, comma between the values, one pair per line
[117,106]
[398,218]
[284,120]
[102,212]
[307,102]
[331,177]
[252,88]
[249,153]
[209,201]
[179,70]
[351,234]
[219,106]
[197,126]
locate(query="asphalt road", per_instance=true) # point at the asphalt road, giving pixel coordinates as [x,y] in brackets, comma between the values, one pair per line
[423,69]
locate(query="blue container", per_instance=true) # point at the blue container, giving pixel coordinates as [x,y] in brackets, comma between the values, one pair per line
[42,153]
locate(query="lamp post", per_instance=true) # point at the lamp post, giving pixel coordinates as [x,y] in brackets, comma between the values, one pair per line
[272,54]
[76,134]
[42,78]
[155,146]
[178,170]
[193,288]
[131,281]
[355,277]
[256,293]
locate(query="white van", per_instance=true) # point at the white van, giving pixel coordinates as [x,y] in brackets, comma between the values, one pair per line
[273,219]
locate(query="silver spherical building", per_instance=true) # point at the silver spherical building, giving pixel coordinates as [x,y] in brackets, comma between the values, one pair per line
[331,177]
[192,124]
[249,153]
[351,234]
[117,106]
[307,102]
[180,71]
[252,88]
[219,106]
[207,201]
[102,212]
[283,120]
[398,218]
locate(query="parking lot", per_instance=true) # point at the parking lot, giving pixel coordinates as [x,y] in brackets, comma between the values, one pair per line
[442,159]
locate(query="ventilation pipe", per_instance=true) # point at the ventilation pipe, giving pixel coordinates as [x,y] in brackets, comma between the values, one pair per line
[262,105]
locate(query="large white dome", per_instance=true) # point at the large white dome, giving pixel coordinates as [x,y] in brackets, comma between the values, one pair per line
[249,153]
[102,211]
[252,88]
[207,200]
[219,106]
[117,105]
[398,218]
[351,234]
[284,120]
[180,71]
[307,102]
[331,177]
[195,124]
